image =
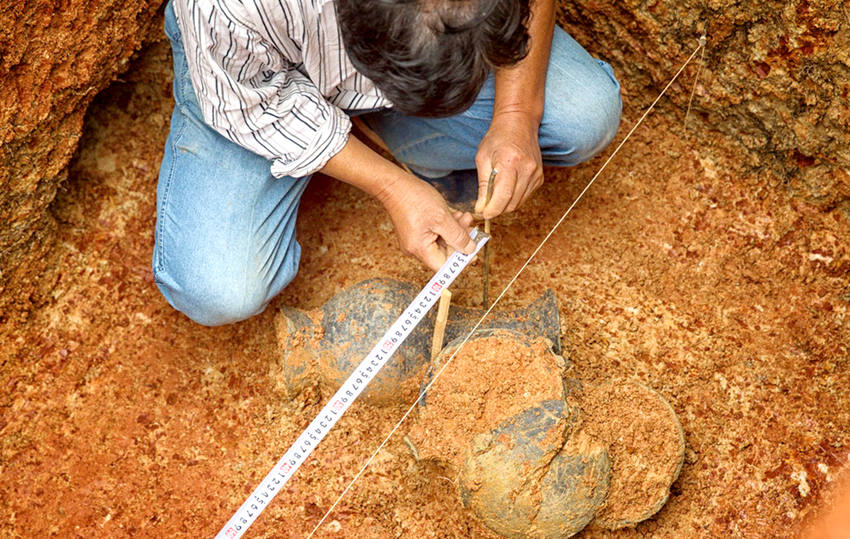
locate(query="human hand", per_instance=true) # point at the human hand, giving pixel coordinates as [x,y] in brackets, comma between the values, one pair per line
[425,226]
[511,146]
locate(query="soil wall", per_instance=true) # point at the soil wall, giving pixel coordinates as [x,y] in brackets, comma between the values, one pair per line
[55,56]
[776,76]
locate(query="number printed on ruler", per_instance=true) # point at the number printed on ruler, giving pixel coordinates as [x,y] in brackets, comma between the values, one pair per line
[348,392]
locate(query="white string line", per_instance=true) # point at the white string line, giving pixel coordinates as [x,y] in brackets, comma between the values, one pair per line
[501,295]
[702,41]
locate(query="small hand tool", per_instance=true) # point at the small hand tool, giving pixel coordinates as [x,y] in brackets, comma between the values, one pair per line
[485,299]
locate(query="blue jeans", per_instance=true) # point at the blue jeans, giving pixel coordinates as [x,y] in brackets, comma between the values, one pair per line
[225,229]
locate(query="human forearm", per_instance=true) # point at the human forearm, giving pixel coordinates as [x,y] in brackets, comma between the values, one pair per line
[511,143]
[419,214]
[358,165]
[521,88]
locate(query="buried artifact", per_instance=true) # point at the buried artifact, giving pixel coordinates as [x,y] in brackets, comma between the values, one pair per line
[538,454]
[534,452]
[326,344]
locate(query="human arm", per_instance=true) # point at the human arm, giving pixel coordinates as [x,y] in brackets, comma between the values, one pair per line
[511,144]
[251,94]
[419,213]
[249,88]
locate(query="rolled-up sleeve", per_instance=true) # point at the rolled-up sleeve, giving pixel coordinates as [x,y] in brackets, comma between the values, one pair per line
[254,97]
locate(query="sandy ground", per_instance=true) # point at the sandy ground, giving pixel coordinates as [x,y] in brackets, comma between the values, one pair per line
[120,417]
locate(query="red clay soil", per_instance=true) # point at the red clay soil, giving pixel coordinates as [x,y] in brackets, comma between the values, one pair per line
[471,398]
[120,417]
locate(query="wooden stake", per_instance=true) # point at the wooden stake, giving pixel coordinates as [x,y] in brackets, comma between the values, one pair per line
[485,299]
[440,323]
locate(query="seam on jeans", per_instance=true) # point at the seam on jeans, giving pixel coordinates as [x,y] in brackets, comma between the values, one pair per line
[167,191]
[603,64]
[189,89]
[186,88]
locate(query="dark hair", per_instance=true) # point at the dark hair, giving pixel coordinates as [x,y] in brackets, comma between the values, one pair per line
[431,57]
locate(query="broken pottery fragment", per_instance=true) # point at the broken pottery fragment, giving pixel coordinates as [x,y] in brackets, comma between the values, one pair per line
[645,442]
[524,480]
[535,460]
[498,417]
[326,345]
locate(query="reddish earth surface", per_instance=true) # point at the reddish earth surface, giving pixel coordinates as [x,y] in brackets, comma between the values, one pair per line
[120,417]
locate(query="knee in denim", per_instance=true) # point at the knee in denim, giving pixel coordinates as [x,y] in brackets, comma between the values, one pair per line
[212,300]
[224,305]
[589,126]
[581,116]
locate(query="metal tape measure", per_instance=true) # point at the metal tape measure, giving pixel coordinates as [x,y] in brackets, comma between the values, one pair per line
[348,392]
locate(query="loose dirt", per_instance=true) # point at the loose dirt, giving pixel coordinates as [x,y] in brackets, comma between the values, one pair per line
[491,379]
[680,269]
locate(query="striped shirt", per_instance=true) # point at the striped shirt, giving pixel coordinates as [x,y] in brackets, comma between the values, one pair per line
[273,77]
